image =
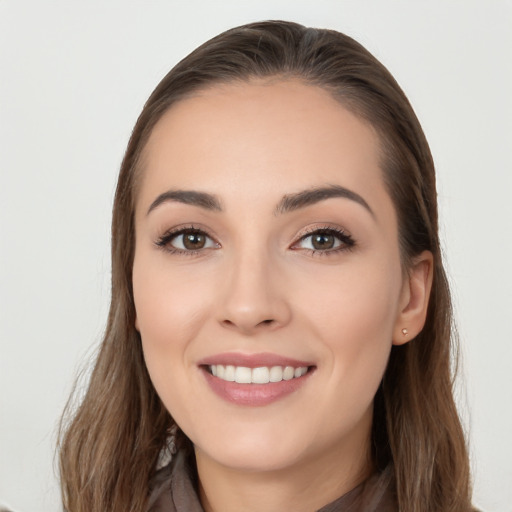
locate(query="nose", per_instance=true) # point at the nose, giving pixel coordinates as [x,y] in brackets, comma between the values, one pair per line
[255,296]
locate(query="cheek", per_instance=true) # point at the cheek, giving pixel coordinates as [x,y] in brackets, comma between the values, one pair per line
[357,303]
[168,313]
[172,307]
[167,301]
[354,317]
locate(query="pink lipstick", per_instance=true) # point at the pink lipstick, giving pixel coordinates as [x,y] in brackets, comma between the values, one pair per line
[255,379]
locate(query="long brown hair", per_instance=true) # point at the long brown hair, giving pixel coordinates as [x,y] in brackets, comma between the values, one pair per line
[110,445]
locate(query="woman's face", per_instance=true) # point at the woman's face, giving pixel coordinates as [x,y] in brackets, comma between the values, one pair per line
[267,252]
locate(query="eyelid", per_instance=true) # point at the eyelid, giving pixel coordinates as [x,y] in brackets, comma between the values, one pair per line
[164,241]
[346,240]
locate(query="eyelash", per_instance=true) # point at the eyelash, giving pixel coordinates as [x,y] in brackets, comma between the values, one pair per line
[164,242]
[347,243]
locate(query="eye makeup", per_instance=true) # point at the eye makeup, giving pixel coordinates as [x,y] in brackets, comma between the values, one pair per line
[186,240]
[319,240]
[324,240]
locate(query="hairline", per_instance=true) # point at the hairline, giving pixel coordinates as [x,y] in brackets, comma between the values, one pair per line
[351,102]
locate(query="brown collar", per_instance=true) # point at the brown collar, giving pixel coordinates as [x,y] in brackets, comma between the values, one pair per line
[173,491]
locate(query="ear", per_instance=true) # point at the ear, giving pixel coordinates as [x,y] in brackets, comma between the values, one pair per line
[414,299]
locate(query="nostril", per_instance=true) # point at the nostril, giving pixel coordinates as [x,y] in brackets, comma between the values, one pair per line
[248,325]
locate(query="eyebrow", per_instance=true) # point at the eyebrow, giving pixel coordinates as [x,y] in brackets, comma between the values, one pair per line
[291,202]
[192,197]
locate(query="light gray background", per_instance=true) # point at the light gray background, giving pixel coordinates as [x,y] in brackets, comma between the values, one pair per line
[73,78]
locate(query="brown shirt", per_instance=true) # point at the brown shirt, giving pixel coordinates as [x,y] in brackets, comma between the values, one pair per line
[173,491]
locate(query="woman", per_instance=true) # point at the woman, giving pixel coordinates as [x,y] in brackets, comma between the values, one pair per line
[279,335]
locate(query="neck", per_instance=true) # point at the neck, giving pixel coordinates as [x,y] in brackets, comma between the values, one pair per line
[303,487]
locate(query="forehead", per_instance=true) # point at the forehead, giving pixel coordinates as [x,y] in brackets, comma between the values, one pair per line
[261,136]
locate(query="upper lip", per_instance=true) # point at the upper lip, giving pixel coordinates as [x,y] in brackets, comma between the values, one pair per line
[252,360]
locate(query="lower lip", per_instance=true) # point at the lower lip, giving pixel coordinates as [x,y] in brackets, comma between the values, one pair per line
[254,394]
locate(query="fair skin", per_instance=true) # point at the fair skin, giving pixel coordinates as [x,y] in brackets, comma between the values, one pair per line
[264,277]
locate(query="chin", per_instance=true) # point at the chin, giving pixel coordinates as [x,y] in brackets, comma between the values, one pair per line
[252,459]
[253,452]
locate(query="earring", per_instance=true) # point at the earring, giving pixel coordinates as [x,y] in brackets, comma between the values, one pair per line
[167,452]
[404,331]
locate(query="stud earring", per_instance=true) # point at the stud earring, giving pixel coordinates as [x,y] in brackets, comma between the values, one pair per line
[404,331]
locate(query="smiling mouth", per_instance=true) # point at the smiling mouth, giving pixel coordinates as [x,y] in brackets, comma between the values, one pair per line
[255,379]
[260,375]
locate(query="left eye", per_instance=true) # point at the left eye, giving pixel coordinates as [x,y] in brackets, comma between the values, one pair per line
[324,240]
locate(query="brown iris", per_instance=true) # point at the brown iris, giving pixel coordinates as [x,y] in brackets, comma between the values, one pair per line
[322,241]
[194,241]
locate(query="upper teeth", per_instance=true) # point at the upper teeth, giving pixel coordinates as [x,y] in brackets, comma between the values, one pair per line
[262,375]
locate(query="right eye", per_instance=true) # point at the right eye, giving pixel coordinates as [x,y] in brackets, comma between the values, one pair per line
[186,240]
